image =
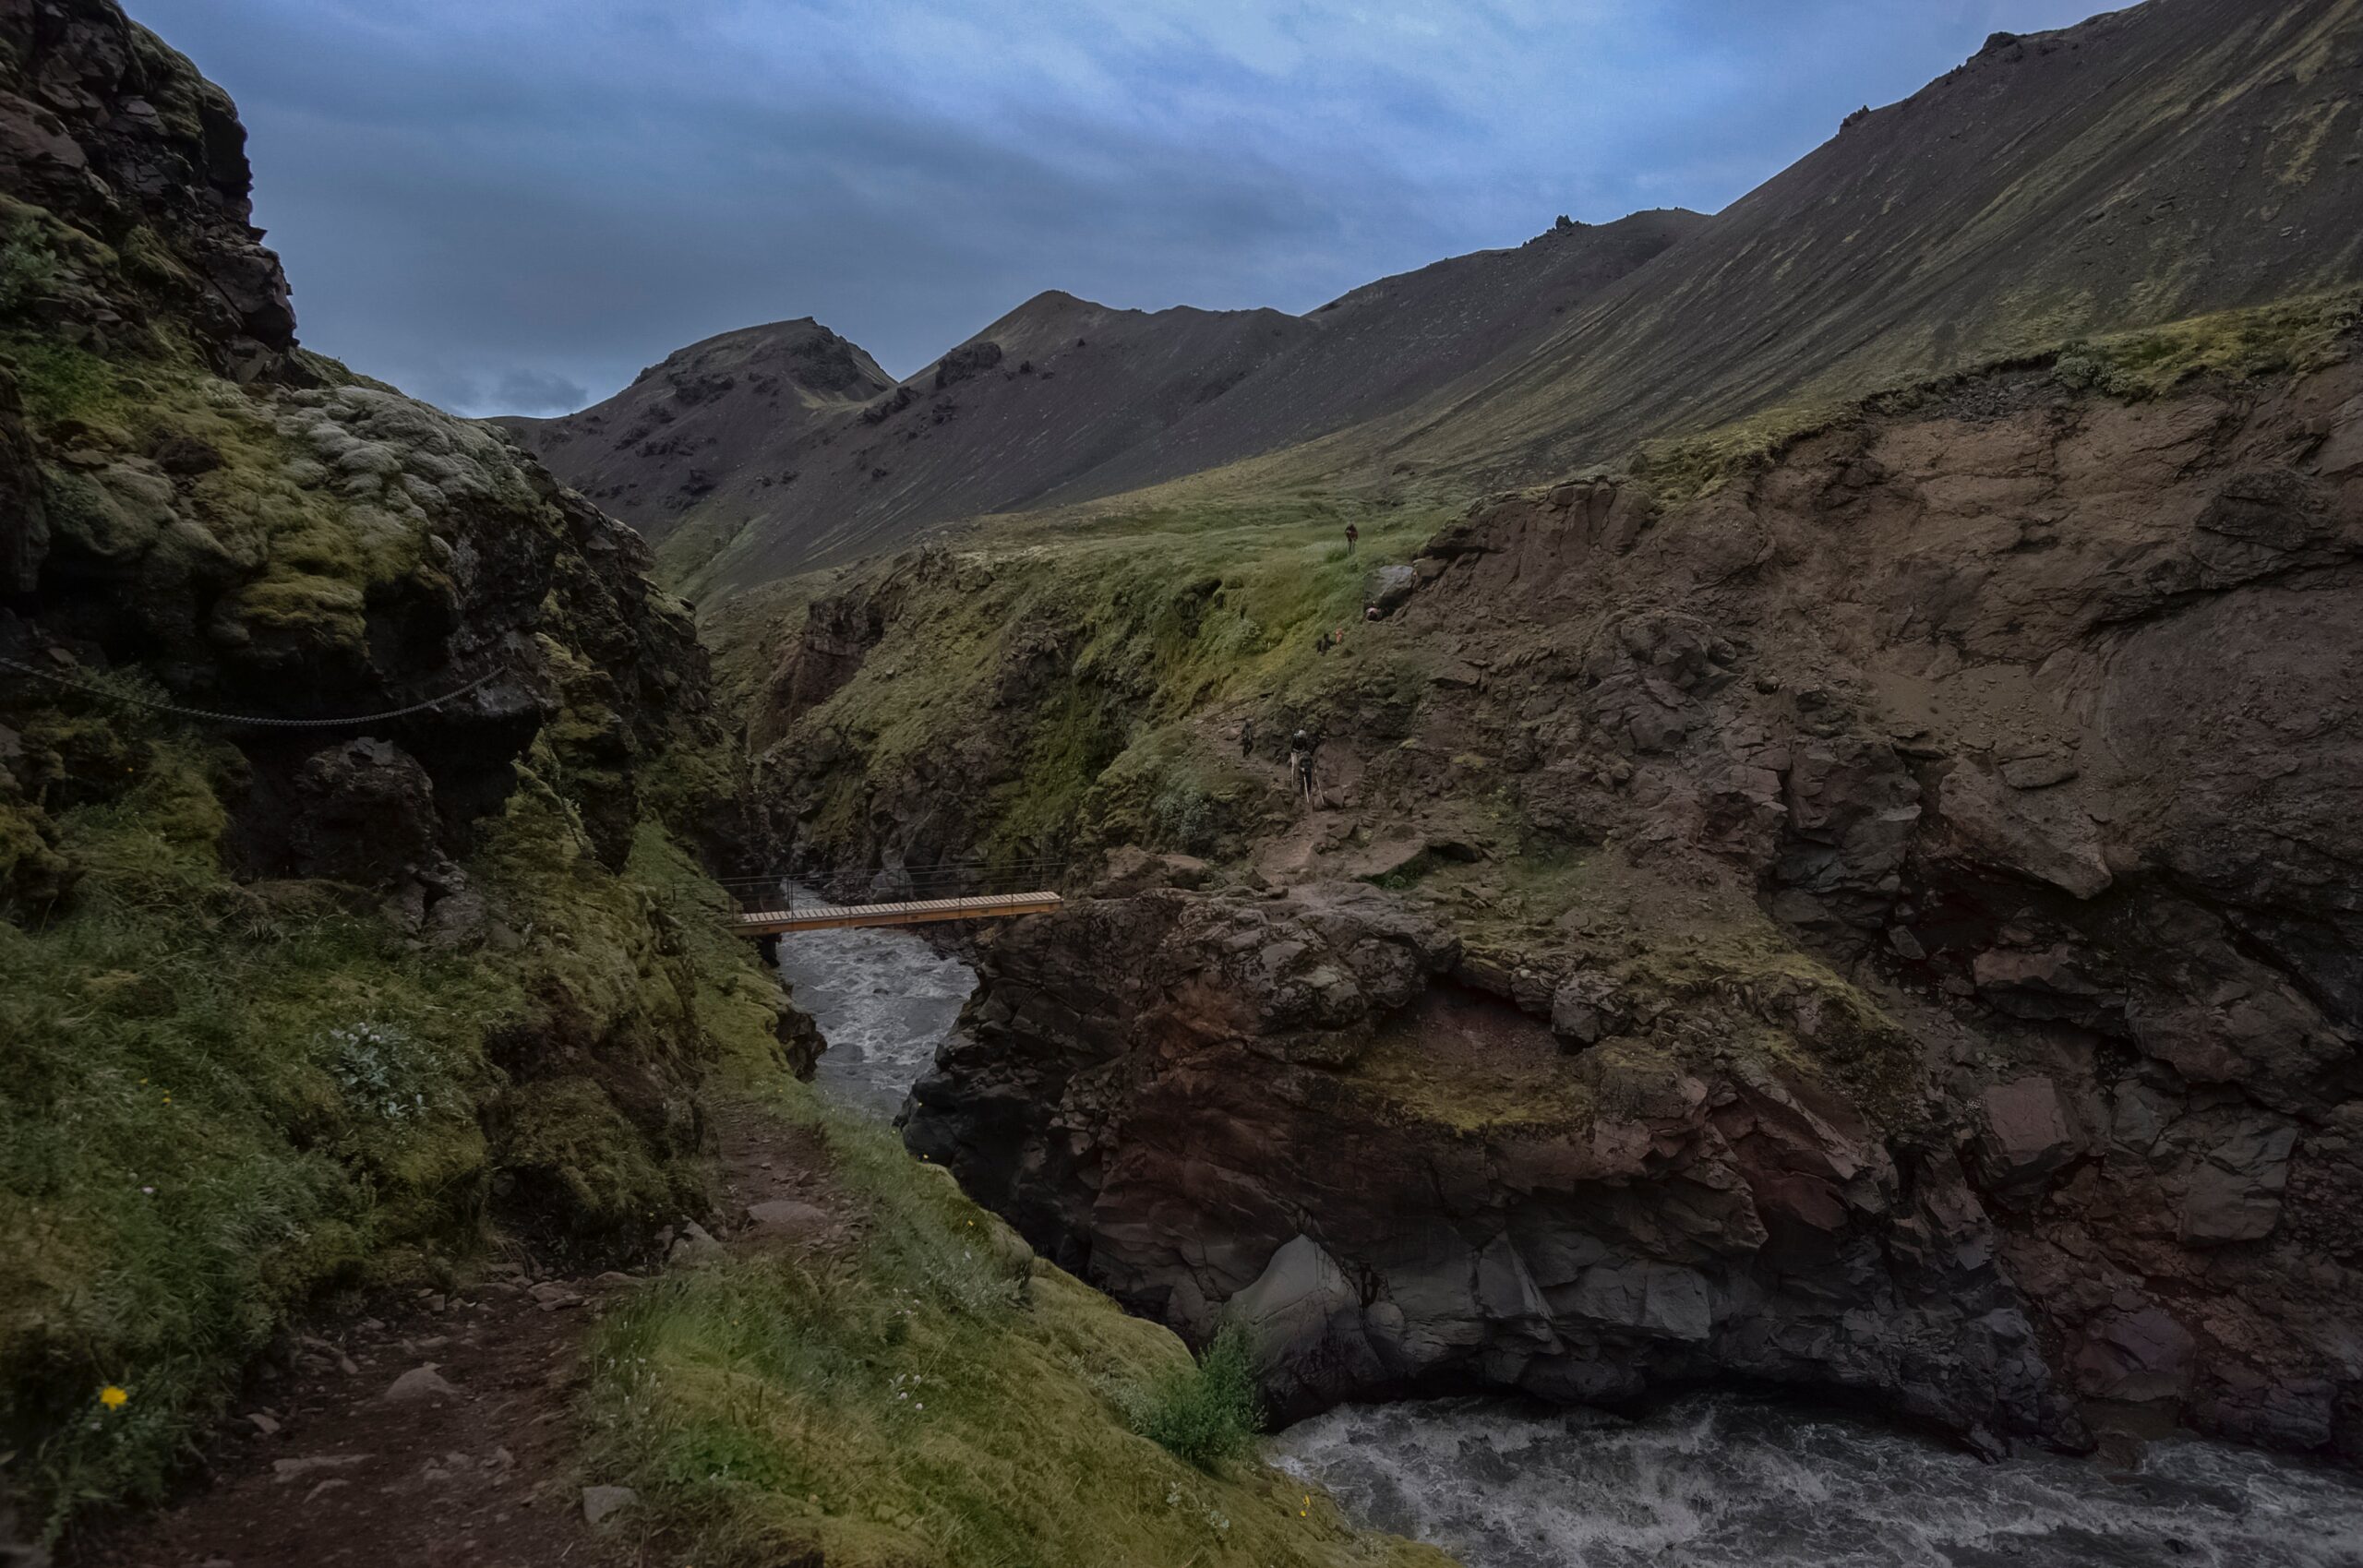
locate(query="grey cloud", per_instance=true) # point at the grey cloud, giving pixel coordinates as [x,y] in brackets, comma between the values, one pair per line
[502,205]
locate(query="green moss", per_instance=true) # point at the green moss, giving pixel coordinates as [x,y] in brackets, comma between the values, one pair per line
[301,610]
[60,382]
[931,1396]
[577,1158]
[1063,667]
[223,1100]
[2289,338]
[180,1161]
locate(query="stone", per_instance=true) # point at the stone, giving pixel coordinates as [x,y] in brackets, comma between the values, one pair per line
[1305,1320]
[786,1219]
[1389,587]
[2039,772]
[2136,1356]
[285,1471]
[602,1504]
[419,1383]
[363,813]
[1583,1008]
[2044,838]
[1649,1298]
[2234,1193]
[2027,1137]
[695,1245]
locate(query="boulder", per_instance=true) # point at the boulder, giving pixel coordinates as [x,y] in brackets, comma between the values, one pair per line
[2233,1192]
[2028,1135]
[420,1383]
[1306,1321]
[2136,1356]
[363,813]
[1389,588]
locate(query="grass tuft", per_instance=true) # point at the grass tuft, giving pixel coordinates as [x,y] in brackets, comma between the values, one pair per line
[1207,1413]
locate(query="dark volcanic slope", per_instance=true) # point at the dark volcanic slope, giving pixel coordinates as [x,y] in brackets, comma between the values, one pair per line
[1390,343]
[1060,399]
[736,409]
[2179,158]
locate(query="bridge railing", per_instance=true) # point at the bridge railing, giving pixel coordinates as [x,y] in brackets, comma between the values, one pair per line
[777,892]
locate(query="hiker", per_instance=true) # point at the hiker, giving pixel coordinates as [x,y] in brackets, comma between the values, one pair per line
[1246,738]
[1301,747]
[1353,535]
[1321,643]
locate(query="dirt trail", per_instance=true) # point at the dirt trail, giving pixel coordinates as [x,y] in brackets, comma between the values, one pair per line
[437,1432]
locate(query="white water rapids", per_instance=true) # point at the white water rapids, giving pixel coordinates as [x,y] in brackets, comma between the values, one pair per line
[1713,1481]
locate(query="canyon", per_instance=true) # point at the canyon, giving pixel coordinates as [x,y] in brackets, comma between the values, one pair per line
[1707,808]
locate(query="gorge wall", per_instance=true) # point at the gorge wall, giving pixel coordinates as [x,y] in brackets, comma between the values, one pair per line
[1886,923]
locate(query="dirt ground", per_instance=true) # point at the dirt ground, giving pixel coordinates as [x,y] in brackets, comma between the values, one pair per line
[437,1431]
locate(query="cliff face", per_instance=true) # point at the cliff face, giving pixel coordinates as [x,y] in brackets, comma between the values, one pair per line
[1883,921]
[291,1004]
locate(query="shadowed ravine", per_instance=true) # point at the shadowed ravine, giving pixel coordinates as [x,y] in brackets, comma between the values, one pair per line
[1706,1481]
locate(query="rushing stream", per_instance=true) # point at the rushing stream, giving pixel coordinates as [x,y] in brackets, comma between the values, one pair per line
[1717,1480]
[884,1000]
[1708,1482]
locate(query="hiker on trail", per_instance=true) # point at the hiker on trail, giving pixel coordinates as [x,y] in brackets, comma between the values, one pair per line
[1247,737]
[1321,643]
[1301,747]
[1353,535]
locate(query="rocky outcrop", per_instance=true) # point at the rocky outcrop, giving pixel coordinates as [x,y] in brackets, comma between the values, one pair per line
[1290,1112]
[123,144]
[1938,848]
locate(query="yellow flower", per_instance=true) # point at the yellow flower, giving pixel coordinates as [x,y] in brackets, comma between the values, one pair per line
[113,1397]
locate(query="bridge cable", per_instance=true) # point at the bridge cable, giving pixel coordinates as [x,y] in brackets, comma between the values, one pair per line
[255,720]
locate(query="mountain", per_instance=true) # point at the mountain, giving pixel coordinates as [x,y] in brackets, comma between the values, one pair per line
[2180,158]
[1058,400]
[740,409]
[2164,162]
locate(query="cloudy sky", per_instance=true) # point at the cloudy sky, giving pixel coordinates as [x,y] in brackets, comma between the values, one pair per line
[512,206]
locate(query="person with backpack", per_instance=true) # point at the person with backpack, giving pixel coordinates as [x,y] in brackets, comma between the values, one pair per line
[1303,746]
[1353,537]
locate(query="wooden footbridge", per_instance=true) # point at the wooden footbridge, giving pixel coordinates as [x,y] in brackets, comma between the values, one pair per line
[770,906]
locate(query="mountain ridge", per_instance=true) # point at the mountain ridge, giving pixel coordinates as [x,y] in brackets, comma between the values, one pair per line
[2147,166]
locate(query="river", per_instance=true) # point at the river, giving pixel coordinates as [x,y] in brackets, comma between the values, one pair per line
[1712,1481]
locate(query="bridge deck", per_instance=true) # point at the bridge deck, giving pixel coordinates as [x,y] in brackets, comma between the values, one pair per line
[839,916]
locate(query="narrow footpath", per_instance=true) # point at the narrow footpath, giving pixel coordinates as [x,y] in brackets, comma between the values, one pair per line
[437,1431]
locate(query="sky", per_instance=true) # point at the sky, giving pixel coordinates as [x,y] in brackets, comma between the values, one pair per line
[512,206]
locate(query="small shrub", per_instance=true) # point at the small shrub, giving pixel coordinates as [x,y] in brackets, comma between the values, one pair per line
[2077,368]
[1208,1413]
[29,269]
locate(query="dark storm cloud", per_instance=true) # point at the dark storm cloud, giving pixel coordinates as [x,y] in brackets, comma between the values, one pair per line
[513,205]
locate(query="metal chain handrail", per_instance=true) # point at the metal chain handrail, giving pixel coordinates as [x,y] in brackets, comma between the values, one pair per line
[256,721]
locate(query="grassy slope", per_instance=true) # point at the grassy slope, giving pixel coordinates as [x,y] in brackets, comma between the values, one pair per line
[1059,665]
[932,1396]
[930,1393]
